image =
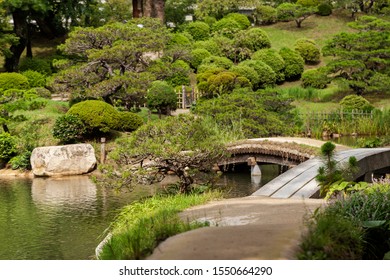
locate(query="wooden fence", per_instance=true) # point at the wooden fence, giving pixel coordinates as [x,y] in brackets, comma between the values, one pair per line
[186,97]
[335,116]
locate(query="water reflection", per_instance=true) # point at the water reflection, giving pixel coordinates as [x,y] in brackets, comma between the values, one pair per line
[60,191]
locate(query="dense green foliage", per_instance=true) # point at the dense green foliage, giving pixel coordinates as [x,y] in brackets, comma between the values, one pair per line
[161,97]
[361,58]
[197,56]
[255,114]
[35,64]
[315,78]
[324,9]
[294,64]
[265,14]
[35,79]
[273,59]
[241,19]
[226,27]
[266,76]
[308,50]
[198,30]
[355,102]
[8,146]
[13,81]
[98,116]
[183,144]
[129,121]
[69,128]
[354,227]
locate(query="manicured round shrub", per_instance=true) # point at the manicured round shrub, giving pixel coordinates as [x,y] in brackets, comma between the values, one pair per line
[267,76]
[179,74]
[35,79]
[218,61]
[356,102]
[284,11]
[308,50]
[199,30]
[226,27]
[308,3]
[210,45]
[36,64]
[324,9]
[315,78]
[209,20]
[253,39]
[197,56]
[161,97]
[274,60]
[13,81]
[7,146]
[222,83]
[265,14]
[69,128]
[294,63]
[129,121]
[247,72]
[212,70]
[241,19]
[98,116]
[179,39]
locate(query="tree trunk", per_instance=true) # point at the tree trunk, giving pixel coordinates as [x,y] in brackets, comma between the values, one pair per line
[159,9]
[137,8]
[147,8]
[21,30]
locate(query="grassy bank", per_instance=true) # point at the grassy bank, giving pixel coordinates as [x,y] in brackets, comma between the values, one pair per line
[141,226]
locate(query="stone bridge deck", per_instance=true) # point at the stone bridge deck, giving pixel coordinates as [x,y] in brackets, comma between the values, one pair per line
[300,181]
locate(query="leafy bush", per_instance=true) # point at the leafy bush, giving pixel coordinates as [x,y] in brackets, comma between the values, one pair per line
[247,72]
[267,76]
[199,30]
[308,3]
[356,102]
[69,129]
[129,121]
[265,14]
[324,9]
[197,56]
[294,63]
[13,81]
[179,39]
[7,146]
[308,50]
[179,73]
[209,20]
[35,79]
[226,27]
[284,11]
[332,237]
[209,45]
[41,92]
[315,78]
[218,61]
[36,64]
[98,116]
[241,19]
[21,161]
[162,97]
[253,39]
[273,59]
[212,70]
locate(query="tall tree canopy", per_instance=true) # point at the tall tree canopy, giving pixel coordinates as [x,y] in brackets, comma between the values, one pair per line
[111,61]
[362,59]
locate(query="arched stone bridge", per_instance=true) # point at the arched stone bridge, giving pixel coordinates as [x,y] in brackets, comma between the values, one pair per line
[279,150]
[300,182]
[303,161]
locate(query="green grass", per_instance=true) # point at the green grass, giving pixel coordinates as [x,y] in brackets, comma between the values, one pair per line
[142,225]
[318,28]
[38,124]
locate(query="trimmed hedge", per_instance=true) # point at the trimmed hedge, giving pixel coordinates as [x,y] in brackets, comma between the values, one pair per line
[294,64]
[315,78]
[129,121]
[308,50]
[13,81]
[199,30]
[267,76]
[273,59]
[226,27]
[197,56]
[241,19]
[98,116]
[356,102]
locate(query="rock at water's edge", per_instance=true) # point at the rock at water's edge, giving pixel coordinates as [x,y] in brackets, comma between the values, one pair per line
[65,160]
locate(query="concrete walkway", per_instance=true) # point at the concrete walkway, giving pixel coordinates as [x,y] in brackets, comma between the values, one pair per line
[241,228]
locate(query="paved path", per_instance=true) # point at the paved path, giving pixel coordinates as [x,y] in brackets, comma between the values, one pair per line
[241,228]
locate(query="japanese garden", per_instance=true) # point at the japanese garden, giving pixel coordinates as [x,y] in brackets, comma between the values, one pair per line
[167,105]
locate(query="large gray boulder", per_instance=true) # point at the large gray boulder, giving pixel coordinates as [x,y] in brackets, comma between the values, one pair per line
[63,160]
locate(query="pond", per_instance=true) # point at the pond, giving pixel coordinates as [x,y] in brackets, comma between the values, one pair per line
[65,219]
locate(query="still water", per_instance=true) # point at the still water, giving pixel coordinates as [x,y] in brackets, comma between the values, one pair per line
[65,219]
